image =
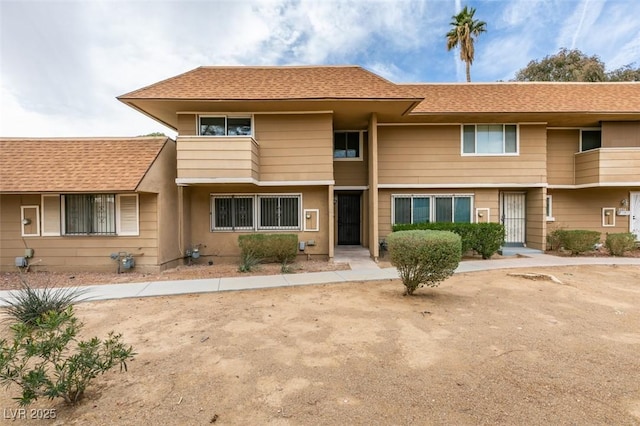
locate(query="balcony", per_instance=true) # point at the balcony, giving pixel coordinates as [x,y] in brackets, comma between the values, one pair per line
[607,166]
[204,159]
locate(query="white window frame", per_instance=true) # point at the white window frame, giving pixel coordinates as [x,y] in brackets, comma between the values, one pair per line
[226,126]
[488,154]
[549,208]
[212,213]
[432,205]
[117,217]
[260,227]
[256,226]
[23,218]
[360,156]
[590,129]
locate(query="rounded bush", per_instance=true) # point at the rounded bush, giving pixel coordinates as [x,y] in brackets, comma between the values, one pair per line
[424,257]
[618,244]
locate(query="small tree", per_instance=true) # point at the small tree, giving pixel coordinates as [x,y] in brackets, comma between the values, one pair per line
[424,257]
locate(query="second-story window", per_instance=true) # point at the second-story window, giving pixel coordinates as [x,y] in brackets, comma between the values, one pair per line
[490,139]
[347,145]
[225,126]
[590,139]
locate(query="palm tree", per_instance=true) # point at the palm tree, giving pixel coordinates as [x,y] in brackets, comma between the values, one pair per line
[463,32]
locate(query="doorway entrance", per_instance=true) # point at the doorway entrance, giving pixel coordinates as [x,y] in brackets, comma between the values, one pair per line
[349,214]
[513,208]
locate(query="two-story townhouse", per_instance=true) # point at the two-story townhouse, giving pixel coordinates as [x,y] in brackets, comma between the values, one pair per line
[334,154]
[338,155]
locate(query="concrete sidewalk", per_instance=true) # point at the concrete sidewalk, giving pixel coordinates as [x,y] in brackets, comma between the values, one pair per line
[164,288]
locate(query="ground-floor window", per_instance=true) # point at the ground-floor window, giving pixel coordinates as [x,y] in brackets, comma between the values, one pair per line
[90,214]
[431,208]
[255,212]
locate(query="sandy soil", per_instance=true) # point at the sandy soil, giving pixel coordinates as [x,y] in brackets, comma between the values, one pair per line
[483,348]
[36,279]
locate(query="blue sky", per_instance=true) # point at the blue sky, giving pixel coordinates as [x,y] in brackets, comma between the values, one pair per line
[63,63]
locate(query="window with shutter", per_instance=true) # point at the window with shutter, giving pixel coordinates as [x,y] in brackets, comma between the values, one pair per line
[127,215]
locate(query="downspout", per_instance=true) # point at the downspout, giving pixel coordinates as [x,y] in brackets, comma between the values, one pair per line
[374,248]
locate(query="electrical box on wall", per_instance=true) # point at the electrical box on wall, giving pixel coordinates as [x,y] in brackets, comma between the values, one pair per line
[28,253]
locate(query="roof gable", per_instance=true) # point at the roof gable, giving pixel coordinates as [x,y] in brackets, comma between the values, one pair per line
[273,83]
[76,165]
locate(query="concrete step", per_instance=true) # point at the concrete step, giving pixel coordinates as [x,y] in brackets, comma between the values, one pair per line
[514,251]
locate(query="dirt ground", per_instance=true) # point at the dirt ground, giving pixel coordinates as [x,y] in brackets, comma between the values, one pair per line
[37,279]
[483,348]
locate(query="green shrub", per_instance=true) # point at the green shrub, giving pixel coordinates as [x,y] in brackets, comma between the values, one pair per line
[488,238]
[281,248]
[248,261]
[484,238]
[27,305]
[424,257]
[618,244]
[579,240]
[45,359]
[555,239]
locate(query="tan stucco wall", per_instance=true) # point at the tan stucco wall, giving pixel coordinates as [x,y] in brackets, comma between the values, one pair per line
[222,246]
[76,253]
[536,231]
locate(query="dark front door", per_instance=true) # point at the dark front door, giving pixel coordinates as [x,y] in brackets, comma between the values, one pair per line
[348,219]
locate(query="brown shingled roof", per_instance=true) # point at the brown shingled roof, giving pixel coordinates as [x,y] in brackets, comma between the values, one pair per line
[527,97]
[273,83]
[76,165]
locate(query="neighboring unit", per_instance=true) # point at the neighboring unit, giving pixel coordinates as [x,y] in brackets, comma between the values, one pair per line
[70,203]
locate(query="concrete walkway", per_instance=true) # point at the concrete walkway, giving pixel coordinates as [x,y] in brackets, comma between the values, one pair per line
[164,288]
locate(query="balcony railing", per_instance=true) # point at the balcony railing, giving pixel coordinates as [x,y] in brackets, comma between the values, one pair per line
[224,158]
[607,165]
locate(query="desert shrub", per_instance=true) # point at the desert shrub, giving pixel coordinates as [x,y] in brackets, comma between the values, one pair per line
[424,257]
[45,359]
[281,248]
[618,244]
[484,238]
[487,238]
[27,305]
[248,261]
[555,239]
[579,240]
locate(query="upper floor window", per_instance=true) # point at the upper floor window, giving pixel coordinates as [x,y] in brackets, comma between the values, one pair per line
[347,145]
[590,139]
[489,139]
[225,126]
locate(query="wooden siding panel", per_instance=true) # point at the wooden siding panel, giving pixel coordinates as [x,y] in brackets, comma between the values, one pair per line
[295,147]
[76,253]
[621,134]
[608,165]
[582,209]
[187,125]
[561,148]
[431,154]
[208,157]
